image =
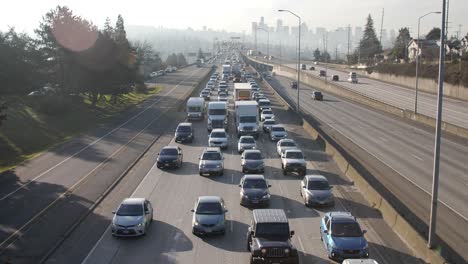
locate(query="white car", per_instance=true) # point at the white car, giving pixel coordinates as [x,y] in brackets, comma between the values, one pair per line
[285,144]
[246,142]
[218,138]
[132,218]
[267,114]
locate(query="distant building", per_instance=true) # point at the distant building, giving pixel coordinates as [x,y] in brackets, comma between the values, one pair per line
[428,49]
[254,28]
[279,25]
[357,34]
[464,45]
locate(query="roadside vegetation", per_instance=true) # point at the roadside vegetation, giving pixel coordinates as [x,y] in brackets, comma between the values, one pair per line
[66,78]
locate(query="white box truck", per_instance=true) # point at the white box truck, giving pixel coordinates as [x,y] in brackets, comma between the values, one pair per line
[242,91]
[217,115]
[195,108]
[247,118]
[226,69]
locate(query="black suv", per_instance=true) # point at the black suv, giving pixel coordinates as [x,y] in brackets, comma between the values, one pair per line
[184,133]
[269,238]
[169,157]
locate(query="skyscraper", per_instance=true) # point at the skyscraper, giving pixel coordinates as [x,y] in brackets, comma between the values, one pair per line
[279,25]
[254,28]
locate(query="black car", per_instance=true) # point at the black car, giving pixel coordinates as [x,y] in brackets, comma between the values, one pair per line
[317,96]
[169,157]
[269,238]
[335,77]
[254,190]
[184,133]
[294,85]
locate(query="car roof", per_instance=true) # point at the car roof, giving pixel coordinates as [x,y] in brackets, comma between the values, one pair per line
[246,137]
[218,130]
[254,177]
[271,119]
[133,201]
[209,199]
[342,217]
[360,261]
[316,177]
[264,100]
[270,216]
[286,140]
[278,126]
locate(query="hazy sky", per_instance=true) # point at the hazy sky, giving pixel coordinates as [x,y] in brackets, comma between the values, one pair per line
[237,15]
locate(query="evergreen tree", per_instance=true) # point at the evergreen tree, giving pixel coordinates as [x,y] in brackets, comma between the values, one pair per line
[369,45]
[325,56]
[317,54]
[400,49]
[181,61]
[434,34]
[171,60]
[108,29]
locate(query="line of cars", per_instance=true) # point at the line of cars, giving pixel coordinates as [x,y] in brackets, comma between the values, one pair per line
[269,236]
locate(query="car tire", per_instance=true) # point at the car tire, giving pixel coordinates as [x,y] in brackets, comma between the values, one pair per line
[243,170]
[221,173]
[285,172]
[201,174]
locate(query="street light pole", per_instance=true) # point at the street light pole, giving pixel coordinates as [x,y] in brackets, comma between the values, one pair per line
[298,56]
[440,95]
[417,62]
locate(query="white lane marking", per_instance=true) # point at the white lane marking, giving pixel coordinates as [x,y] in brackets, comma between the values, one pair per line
[417,157]
[231,226]
[300,243]
[232,177]
[108,228]
[281,189]
[92,143]
[383,139]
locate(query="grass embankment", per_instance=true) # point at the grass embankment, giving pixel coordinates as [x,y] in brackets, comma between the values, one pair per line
[35,124]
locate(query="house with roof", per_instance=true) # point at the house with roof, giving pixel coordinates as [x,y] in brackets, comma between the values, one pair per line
[464,45]
[427,49]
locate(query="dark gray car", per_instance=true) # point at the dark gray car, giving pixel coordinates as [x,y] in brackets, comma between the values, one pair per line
[209,216]
[252,161]
[254,190]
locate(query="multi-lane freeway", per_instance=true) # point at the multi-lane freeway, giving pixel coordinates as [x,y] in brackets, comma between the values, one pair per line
[404,147]
[42,198]
[173,194]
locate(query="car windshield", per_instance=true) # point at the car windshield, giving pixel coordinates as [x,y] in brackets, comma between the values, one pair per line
[254,184]
[211,156]
[183,129]
[294,155]
[317,93]
[267,112]
[263,103]
[218,135]
[278,129]
[269,122]
[209,208]
[217,112]
[168,152]
[318,185]
[130,210]
[346,230]
[288,144]
[247,140]
[253,156]
[248,119]
[273,230]
[194,109]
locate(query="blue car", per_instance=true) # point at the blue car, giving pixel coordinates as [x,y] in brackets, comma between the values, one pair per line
[342,236]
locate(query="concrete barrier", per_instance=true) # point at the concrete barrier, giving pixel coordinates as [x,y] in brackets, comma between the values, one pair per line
[389,213]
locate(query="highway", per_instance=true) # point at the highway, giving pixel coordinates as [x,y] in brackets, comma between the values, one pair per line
[173,194]
[404,147]
[42,198]
[455,111]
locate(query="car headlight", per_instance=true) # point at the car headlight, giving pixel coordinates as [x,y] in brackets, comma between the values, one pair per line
[246,197]
[140,225]
[218,166]
[264,251]
[286,251]
[266,196]
[196,223]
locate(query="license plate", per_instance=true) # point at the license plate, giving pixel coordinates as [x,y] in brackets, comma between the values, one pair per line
[126,231]
[167,165]
[254,201]
[208,230]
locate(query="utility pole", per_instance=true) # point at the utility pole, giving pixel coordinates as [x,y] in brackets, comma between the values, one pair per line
[436,168]
[447,20]
[381,26]
[336,54]
[349,37]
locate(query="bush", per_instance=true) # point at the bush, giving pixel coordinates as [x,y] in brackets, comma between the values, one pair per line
[54,104]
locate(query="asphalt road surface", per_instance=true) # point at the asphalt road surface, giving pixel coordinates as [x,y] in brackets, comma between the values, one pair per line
[404,147]
[173,194]
[455,111]
[43,197]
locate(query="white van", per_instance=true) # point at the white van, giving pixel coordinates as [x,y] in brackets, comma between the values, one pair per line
[352,77]
[195,108]
[359,261]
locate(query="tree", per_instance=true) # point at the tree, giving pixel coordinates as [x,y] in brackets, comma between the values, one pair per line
[325,57]
[317,54]
[434,34]
[369,45]
[400,49]
[200,54]
[171,60]
[181,61]
[108,29]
